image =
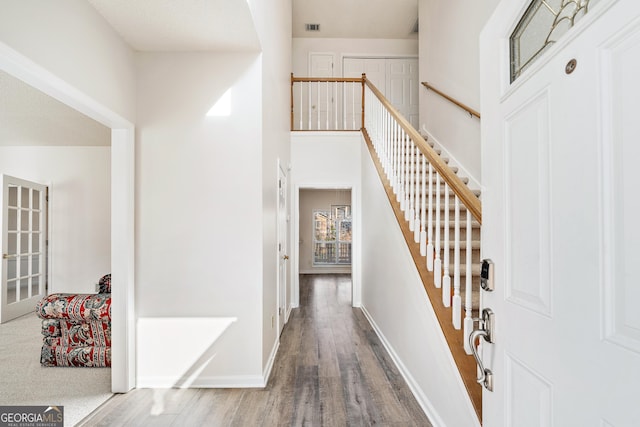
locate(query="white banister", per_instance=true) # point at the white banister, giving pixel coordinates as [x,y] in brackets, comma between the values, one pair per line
[423,228]
[468,295]
[437,262]
[456,313]
[430,222]
[446,279]
[412,185]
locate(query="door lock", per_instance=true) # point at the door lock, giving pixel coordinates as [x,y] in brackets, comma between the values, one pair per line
[486,275]
[486,331]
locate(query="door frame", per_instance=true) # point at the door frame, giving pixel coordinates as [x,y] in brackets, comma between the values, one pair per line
[356,286]
[123,354]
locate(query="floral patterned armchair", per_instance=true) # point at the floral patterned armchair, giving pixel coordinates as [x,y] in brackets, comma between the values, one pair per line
[76,328]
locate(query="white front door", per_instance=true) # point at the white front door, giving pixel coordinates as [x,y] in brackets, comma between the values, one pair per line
[23,246]
[283,252]
[560,168]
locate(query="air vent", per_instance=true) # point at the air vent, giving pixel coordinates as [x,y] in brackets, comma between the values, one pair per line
[312,27]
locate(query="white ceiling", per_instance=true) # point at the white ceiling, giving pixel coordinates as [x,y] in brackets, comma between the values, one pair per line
[184,25]
[28,117]
[368,19]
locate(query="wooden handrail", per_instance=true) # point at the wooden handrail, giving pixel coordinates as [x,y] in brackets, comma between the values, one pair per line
[453,100]
[455,183]
[326,79]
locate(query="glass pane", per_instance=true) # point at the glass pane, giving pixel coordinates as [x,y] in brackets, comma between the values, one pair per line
[24,218]
[344,253]
[12,272]
[345,231]
[13,196]
[13,220]
[24,266]
[24,243]
[35,285]
[35,199]
[24,289]
[324,253]
[544,22]
[12,243]
[35,242]
[35,264]
[11,292]
[35,224]
[25,197]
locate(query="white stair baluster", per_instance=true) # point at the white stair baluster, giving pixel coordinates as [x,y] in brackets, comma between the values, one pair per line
[468,293]
[423,207]
[412,184]
[446,279]
[353,106]
[456,313]
[418,197]
[437,262]
[335,103]
[430,222]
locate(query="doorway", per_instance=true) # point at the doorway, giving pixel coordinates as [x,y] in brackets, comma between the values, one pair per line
[122,204]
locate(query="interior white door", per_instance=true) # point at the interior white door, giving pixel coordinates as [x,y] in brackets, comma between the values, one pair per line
[402,87]
[321,96]
[560,169]
[23,246]
[283,252]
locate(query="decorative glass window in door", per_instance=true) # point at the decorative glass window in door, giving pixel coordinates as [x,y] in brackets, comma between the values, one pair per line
[332,236]
[543,23]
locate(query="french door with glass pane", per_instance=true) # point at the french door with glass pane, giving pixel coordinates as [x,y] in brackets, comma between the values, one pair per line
[23,246]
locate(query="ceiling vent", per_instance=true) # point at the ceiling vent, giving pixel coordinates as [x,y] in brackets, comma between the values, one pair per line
[312,27]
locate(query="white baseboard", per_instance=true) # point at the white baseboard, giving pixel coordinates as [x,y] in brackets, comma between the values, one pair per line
[417,391]
[272,357]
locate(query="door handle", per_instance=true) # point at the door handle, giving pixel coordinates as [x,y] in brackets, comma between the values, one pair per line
[485,330]
[7,256]
[285,257]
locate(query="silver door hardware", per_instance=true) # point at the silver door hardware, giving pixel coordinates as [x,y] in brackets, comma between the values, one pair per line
[486,331]
[486,275]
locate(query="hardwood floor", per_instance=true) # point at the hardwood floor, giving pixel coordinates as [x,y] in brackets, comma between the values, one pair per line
[331,370]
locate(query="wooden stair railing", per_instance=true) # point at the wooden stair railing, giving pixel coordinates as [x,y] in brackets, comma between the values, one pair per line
[469,110]
[440,217]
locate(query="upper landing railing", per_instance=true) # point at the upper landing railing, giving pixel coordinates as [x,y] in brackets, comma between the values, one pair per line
[441,215]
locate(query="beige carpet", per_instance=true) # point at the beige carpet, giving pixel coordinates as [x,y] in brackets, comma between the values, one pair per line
[25,382]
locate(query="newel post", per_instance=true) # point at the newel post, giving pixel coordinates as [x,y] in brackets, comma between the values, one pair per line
[364,79]
[291,101]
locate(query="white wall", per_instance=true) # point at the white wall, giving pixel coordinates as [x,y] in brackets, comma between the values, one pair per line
[347,47]
[395,301]
[449,59]
[327,160]
[79,209]
[273,25]
[71,40]
[199,218]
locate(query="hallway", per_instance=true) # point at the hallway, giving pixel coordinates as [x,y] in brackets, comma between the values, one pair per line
[331,370]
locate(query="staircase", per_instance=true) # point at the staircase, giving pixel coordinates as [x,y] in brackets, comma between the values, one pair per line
[440,217]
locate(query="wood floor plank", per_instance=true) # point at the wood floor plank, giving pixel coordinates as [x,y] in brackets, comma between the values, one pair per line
[331,370]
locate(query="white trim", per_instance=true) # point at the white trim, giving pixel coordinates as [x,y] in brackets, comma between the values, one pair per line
[266,372]
[122,204]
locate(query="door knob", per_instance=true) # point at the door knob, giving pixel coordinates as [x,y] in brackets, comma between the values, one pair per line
[286,257]
[485,330]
